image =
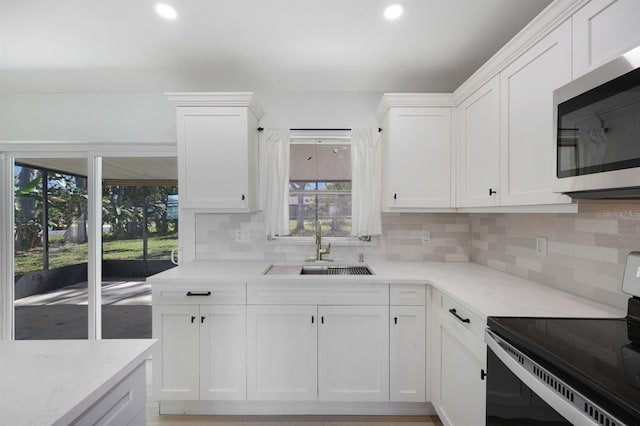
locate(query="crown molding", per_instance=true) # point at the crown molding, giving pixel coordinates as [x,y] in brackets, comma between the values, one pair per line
[216,99]
[550,18]
[413,100]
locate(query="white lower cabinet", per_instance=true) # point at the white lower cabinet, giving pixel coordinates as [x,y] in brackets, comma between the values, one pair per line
[353,359]
[407,345]
[202,352]
[459,364]
[282,352]
[222,352]
[309,353]
[175,365]
[323,349]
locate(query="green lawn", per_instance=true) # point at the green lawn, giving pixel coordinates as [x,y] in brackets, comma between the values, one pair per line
[62,254]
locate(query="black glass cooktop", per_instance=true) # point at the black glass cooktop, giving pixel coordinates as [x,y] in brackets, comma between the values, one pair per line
[595,356]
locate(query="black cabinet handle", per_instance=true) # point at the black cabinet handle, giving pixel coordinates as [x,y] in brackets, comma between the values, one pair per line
[491,192]
[395,320]
[395,196]
[455,314]
[192,319]
[202,319]
[313,319]
[198,293]
[242,197]
[483,374]
[322,319]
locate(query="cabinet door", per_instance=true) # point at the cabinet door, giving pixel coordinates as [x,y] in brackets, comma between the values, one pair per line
[175,364]
[353,357]
[407,362]
[603,30]
[213,157]
[282,352]
[479,147]
[527,146]
[222,352]
[417,159]
[459,358]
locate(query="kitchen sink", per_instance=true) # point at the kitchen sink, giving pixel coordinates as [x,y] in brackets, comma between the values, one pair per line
[318,270]
[335,270]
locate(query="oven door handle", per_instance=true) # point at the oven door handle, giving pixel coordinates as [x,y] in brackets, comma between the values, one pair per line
[504,350]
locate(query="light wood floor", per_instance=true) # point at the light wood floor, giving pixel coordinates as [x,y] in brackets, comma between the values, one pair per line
[155,419]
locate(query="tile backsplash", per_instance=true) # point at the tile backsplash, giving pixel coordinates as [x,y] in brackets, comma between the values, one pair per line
[401,239]
[586,251]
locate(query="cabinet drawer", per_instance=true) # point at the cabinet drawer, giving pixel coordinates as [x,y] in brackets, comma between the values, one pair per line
[453,312]
[407,294]
[305,293]
[199,294]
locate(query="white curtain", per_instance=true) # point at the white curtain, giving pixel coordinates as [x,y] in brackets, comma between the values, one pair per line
[276,189]
[365,182]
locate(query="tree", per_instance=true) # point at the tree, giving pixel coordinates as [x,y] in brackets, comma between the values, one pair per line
[28,196]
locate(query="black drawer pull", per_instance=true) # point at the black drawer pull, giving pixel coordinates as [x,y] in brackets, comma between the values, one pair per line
[313,319]
[202,319]
[491,192]
[483,374]
[322,319]
[198,293]
[395,196]
[455,314]
[395,320]
[192,319]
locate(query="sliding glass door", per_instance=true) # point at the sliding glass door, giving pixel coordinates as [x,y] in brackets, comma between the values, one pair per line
[80,234]
[50,250]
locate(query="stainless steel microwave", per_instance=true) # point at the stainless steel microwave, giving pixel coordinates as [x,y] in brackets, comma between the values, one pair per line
[597,132]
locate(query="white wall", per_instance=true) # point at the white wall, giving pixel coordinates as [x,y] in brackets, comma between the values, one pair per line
[150,118]
[87,117]
[319,109]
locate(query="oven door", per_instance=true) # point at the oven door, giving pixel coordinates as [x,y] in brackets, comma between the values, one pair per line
[520,392]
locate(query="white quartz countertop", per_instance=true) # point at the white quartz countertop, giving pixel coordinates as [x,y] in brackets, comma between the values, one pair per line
[483,290]
[46,382]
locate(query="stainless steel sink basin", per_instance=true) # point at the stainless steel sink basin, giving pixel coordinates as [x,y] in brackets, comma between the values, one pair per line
[335,270]
[318,270]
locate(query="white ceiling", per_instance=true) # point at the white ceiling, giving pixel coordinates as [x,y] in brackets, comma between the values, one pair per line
[251,45]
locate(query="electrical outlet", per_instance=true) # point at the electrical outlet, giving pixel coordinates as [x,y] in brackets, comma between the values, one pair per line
[242,236]
[426,237]
[541,246]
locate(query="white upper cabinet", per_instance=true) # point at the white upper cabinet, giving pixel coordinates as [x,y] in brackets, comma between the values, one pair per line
[478,124]
[603,30]
[217,151]
[416,151]
[527,148]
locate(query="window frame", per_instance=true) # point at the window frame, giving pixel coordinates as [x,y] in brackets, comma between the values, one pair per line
[326,137]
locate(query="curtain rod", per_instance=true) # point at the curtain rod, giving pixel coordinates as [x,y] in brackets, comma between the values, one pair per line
[316,130]
[260,129]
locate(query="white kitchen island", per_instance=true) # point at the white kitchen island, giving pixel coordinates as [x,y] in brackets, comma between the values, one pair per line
[60,382]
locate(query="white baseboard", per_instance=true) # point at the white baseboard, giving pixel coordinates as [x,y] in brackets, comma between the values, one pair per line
[297,408]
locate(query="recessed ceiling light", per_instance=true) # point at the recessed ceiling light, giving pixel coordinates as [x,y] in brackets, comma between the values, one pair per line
[166,11]
[394,10]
